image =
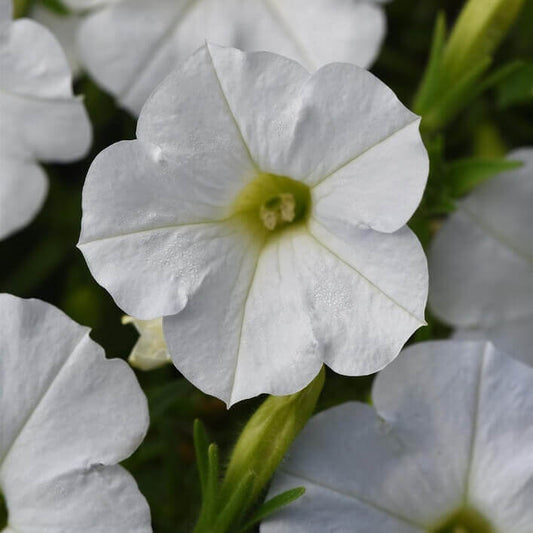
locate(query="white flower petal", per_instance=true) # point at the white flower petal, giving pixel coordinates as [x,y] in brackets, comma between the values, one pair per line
[246,331]
[40,70]
[449,431]
[309,130]
[162,231]
[327,31]
[333,100]
[501,473]
[247,102]
[140,43]
[6,11]
[64,408]
[18,206]
[338,458]
[476,280]
[40,119]
[149,214]
[141,271]
[278,327]
[489,204]
[48,130]
[309,121]
[65,29]
[514,337]
[96,499]
[381,188]
[375,304]
[133,186]
[481,260]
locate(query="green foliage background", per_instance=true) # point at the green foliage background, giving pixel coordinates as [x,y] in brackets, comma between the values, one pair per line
[42,261]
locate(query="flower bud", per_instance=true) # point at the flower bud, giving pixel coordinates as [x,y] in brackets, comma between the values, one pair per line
[268,435]
[481,27]
[151,350]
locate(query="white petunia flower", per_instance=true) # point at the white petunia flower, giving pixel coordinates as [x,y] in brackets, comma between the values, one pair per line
[261,212]
[65,29]
[150,351]
[481,263]
[447,448]
[40,119]
[68,415]
[140,42]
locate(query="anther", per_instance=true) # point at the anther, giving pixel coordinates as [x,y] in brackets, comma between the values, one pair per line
[279,210]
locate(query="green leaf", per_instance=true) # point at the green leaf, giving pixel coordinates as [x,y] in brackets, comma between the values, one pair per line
[432,77]
[464,175]
[236,505]
[478,32]
[201,447]
[273,505]
[517,88]
[213,474]
[56,6]
[454,98]
[498,76]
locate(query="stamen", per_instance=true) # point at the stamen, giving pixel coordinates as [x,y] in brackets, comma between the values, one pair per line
[278,210]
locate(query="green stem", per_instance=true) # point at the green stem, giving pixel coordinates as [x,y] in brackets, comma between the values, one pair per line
[261,446]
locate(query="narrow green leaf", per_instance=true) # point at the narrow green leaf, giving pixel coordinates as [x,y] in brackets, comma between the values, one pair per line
[465,174]
[213,474]
[517,88]
[273,505]
[432,76]
[236,505]
[498,76]
[201,447]
[455,98]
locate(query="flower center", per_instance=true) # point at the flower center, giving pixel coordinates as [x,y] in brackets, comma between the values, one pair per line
[272,202]
[279,210]
[3,512]
[465,521]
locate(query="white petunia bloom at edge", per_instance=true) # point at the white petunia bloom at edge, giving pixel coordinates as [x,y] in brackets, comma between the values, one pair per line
[481,263]
[447,448]
[262,212]
[68,415]
[65,29]
[40,118]
[140,42]
[150,350]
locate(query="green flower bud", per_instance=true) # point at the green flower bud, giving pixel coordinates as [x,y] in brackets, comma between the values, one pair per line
[267,437]
[481,27]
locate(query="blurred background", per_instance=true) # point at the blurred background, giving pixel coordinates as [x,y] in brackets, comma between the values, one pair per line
[42,260]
